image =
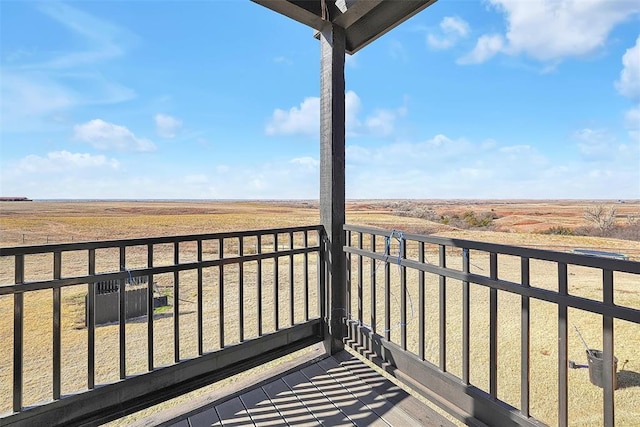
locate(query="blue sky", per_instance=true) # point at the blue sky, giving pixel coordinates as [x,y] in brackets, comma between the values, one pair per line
[219,99]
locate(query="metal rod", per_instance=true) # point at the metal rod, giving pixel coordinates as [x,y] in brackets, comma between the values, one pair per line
[176,304]
[91,323]
[241,291]
[18,335]
[525,340]
[122,317]
[56,333]
[360,278]
[493,327]
[442,298]
[373,285]
[276,284]
[465,316]
[608,365]
[306,276]
[221,294]
[291,284]
[259,285]
[200,308]
[150,308]
[403,296]
[421,302]
[563,390]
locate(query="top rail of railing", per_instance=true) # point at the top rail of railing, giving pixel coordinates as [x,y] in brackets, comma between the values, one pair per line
[77,246]
[625,266]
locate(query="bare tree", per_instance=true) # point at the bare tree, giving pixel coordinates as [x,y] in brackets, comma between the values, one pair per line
[602,217]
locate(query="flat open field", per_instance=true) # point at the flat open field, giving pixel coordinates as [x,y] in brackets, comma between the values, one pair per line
[517,223]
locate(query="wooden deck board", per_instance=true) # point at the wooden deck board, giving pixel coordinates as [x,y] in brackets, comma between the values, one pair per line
[288,404]
[334,391]
[262,412]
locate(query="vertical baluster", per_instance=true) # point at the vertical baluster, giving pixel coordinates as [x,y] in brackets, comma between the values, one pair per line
[442,299]
[563,414]
[18,334]
[347,308]
[176,303]
[122,317]
[421,301]
[373,285]
[91,323]
[608,369]
[525,340]
[200,304]
[241,290]
[465,316]
[306,276]
[221,293]
[322,276]
[276,283]
[150,308]
[493,327]
[360,278]
[259,285]
[387,294]
[291,290]
[403,296]
[56,332]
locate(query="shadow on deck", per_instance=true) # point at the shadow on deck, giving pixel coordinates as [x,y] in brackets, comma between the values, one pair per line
[338,390]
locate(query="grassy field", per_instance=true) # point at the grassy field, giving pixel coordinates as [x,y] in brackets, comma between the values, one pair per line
[517,224]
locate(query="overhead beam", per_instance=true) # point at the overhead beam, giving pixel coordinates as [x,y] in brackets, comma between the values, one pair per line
[363,20]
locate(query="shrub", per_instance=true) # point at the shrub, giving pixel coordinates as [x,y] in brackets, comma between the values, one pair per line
[561,231]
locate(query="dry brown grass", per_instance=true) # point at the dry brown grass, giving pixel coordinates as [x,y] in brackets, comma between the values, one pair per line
[63,221]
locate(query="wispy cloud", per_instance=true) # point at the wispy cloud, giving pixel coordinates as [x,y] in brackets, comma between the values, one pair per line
[39,84]
[102,40]
[62,161]
[452,29]
[167,126]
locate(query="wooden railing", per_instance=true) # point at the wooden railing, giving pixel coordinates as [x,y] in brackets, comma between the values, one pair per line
[250,296]
[431,310]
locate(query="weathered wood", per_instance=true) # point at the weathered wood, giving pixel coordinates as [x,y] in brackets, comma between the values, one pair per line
[332,177]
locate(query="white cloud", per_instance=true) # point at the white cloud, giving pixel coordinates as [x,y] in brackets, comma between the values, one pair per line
[629,83]
[551,30]
[452,29]
[108,136]
[597,144]
[24,98]
[486,47]
[62,161]
[167,126]
[306,162]
[305,119]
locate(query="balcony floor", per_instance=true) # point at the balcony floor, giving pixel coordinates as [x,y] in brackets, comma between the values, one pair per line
[334,391]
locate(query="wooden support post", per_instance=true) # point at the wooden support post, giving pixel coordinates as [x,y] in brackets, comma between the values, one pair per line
[332,179]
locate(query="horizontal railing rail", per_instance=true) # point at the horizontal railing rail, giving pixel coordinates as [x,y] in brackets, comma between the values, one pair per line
[251,296]
[393,287]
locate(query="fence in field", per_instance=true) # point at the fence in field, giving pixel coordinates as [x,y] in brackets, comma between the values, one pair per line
[397,280]
[211,274]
